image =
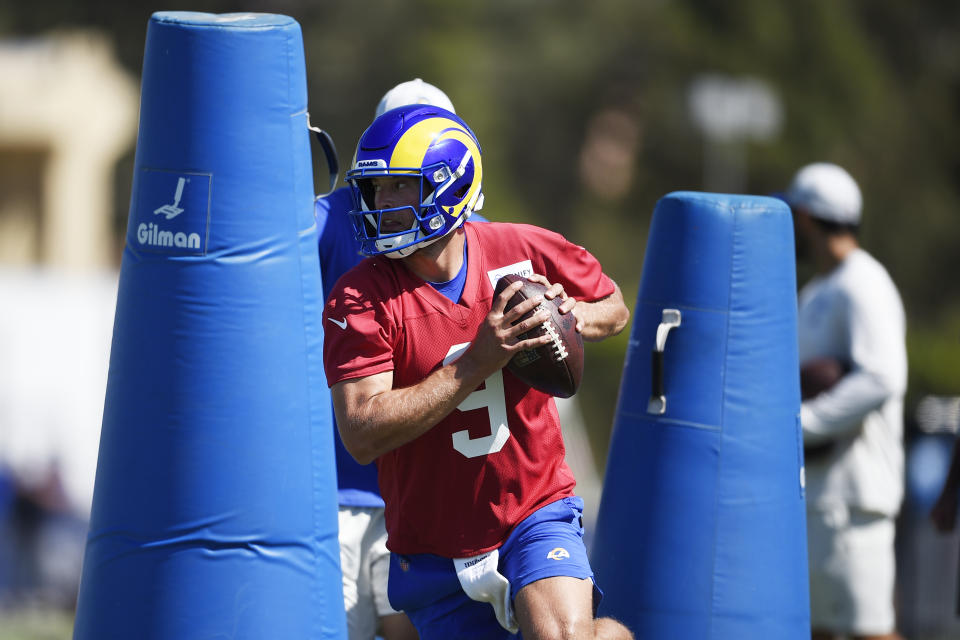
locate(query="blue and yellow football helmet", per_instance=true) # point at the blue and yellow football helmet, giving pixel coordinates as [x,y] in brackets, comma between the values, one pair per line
[427,142]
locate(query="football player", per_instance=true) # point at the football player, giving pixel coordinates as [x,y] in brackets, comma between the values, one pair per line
[482,519]
[364,558]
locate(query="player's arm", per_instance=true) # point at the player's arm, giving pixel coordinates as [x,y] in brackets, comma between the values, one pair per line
[602,318]
[595,320]
[879,369]
[374,418]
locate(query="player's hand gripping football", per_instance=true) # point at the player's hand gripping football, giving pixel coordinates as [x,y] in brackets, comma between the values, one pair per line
[498,339]
[556,289]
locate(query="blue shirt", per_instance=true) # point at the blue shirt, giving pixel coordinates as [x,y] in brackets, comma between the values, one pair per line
[453,288]
[340,252]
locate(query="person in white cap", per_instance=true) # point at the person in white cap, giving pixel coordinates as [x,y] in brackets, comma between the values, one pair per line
[364,557]
[850,312]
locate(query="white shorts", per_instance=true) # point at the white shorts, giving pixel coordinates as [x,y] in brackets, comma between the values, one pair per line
[365,562]
[852,570]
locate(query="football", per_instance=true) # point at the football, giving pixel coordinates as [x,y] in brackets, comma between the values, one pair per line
[556,367]
[819,374]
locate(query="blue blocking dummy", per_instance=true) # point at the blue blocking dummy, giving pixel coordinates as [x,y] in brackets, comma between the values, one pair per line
[214,512]
[701,532]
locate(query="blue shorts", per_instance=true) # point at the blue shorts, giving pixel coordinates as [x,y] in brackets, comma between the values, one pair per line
[546,544]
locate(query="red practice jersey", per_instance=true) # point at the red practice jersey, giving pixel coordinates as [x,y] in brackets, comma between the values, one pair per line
[458,489]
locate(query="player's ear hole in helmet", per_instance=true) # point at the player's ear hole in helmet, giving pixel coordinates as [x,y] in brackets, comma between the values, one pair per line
[431,144]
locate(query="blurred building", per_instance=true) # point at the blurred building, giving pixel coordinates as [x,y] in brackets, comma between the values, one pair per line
[67,113]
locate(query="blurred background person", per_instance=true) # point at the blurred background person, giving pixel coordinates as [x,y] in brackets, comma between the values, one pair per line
[944,511]
[55,331]
[850,317]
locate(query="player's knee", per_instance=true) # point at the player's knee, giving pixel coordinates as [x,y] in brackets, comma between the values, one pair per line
[561,628]
[574,629]
[610,629]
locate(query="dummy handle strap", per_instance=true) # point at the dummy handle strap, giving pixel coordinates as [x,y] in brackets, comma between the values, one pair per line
[330,151]
[658,399]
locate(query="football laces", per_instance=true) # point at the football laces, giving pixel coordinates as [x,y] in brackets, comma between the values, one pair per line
[558,349]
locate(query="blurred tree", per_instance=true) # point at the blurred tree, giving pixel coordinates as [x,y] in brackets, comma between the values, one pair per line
[580,109]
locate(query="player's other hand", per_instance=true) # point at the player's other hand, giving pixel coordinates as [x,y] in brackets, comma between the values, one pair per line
[498,338]
[567,305]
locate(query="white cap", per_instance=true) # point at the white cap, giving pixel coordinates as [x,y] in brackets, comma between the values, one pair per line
[413,92]
[827,192]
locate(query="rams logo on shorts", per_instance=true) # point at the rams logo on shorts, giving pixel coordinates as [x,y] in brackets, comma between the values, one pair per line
[558,553]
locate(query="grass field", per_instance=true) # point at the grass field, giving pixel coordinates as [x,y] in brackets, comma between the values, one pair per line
[36,624]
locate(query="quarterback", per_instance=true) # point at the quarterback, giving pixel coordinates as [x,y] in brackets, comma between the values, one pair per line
[482,519]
